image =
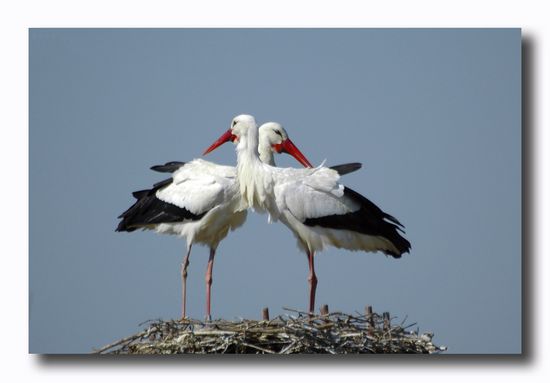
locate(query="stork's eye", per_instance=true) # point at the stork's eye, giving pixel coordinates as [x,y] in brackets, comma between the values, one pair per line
[234,123]
[279,133]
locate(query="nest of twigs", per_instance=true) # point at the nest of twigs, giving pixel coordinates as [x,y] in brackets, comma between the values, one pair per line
[299,333]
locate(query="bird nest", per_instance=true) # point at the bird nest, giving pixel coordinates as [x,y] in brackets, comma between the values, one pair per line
[296,333]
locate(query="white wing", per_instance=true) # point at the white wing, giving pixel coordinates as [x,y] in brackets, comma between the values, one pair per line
[311,193]
[199,186]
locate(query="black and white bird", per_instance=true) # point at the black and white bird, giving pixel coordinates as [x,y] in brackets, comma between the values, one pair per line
[319,210]
[201,202]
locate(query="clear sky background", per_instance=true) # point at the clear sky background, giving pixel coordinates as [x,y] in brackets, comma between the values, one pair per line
[433,115]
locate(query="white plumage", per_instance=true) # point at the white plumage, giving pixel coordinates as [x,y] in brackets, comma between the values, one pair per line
[202,187]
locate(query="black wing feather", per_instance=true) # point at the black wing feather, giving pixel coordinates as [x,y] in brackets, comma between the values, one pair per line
[163,183]
[369,219]
[149,210]
[344,169]
[169,167]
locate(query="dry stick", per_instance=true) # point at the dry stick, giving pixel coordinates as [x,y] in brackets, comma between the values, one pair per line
[129,338]
[265,313]
[258,348]
[370,320]
[324,310]
[386,317]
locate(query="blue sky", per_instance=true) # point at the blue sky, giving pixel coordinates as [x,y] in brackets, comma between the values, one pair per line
[434,116]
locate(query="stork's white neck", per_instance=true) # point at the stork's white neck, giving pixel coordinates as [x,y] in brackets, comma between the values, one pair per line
[254,181]
[265,151]
[248,146]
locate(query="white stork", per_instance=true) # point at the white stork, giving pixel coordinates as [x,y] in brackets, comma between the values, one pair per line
[312,203]
[202,202]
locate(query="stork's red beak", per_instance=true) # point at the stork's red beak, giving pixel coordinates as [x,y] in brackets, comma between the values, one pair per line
[226,137]
[287,146]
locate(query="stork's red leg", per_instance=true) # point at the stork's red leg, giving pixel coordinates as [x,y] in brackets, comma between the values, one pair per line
[184,265]
[312,279]
[208,279]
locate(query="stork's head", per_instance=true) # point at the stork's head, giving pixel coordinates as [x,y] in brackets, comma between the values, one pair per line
[273,134]
[244,132]
[241,126]
[274,139]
